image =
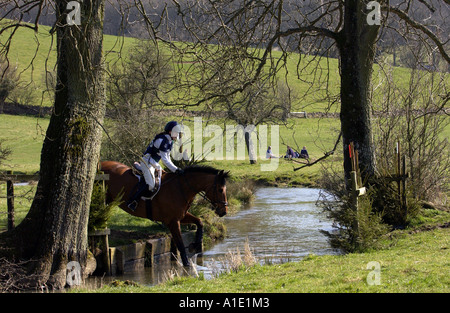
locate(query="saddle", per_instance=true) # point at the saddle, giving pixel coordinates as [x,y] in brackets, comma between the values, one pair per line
[147,195]
[137,170]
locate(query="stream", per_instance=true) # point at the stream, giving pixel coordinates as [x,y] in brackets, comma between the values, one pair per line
[281,225]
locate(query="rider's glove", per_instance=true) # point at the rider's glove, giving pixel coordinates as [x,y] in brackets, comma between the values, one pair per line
[179,171]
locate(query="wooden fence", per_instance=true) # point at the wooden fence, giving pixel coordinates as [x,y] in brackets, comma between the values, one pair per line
[400,176]
[10,178]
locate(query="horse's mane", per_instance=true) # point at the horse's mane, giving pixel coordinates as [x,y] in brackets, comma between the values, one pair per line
[208,170]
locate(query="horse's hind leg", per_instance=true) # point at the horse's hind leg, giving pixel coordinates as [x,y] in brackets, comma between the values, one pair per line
[196,246]
[175,230]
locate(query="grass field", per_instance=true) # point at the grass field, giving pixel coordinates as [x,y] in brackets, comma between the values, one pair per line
[24,136]
[34,54]
[415,263]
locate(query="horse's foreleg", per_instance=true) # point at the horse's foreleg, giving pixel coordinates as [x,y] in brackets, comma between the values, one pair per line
[175,230]
[196,246]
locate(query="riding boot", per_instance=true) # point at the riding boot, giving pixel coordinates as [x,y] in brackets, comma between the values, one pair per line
[133,201]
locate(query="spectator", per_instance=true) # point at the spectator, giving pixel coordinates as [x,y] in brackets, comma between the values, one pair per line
[304,153]
[269,154]
[290,153]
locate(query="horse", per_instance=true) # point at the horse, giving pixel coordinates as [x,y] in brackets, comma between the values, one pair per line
[171,204]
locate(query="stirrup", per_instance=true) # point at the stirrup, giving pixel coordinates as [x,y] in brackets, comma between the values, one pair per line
[133,205]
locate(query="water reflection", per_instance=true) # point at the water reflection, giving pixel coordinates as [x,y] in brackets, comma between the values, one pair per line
[282,224]
[149,276]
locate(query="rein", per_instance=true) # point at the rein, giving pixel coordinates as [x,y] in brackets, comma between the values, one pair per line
[214,202]
[203,193]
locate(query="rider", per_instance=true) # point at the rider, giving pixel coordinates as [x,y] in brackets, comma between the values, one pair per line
[158,149]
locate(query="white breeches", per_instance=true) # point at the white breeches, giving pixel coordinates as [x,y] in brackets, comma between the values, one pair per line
[148,166]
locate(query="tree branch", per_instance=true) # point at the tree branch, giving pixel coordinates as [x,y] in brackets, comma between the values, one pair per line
[405,17]
[326,155]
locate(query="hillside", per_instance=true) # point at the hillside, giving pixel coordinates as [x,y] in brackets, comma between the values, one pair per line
[313,80]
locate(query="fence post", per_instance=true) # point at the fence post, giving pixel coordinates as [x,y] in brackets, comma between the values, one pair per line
[10,202]
[404,177]
[355,195]
[102,235]
[401,182]
[357,189]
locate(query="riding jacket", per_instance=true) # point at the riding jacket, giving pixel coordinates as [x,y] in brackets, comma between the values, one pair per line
[159,149]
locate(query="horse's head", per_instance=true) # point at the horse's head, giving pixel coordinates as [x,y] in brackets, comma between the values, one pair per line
[217,194]
[210,183]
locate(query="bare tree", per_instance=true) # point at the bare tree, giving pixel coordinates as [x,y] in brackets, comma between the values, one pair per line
[413,115]
[4,152]
[132,83]
[247,34]
[8,81]
[257,104]
[54,231]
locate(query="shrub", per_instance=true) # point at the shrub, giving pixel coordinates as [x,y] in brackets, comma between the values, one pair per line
[379,211]
[356,231]
[99,211]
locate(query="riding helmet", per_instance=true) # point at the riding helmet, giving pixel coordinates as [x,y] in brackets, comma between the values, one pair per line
[169,126]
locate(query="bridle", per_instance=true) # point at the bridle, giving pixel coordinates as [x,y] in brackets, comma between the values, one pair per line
[216,194]
[215,202]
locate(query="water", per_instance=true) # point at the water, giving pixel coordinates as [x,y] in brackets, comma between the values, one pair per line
[283,224]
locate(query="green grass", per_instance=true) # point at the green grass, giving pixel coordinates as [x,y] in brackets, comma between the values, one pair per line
[24,135]
[35,53]
[416,263]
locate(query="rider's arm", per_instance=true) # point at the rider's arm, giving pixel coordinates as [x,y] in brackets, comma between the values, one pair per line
[164,152]
[165,157]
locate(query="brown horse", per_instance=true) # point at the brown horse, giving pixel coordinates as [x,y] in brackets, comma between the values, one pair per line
[171,204]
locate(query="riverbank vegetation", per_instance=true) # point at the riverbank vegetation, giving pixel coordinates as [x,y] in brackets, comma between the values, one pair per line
[412,260]
[28,133]
[410,117]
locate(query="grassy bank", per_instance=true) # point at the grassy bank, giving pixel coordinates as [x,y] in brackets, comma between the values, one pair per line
[414,260]
[411,261]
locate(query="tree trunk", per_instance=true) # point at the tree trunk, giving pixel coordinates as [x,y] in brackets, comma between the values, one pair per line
[356,43]
[55,230]
[250,144]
